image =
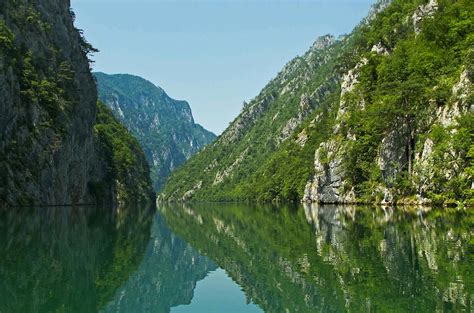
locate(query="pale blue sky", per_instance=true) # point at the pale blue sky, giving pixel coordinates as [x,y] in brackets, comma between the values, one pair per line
[214,54]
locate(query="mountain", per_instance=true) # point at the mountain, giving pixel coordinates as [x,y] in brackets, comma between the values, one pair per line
[53,151]
[164,127]
[384,114]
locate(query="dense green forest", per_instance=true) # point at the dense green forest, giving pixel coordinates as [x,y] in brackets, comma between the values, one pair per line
[384,114]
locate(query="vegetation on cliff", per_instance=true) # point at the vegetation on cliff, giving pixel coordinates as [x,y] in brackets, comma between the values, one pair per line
[384,114]
[48,151]
[124,159]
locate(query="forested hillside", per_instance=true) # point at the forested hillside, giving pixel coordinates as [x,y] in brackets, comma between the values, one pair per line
[384,114]
[164,127]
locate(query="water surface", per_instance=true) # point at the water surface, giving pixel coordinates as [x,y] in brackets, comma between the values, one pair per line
[236,258]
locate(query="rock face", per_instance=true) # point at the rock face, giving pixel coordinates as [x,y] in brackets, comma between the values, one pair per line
[327,183]
[447,118]
[424,11]
[393,154]
[164,127]
[47,144]
[48,153]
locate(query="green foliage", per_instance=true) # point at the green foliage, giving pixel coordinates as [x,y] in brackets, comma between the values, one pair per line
[453,149]
[86,47]
[398,95]
[6,39]
[123,157]
[421,70]
[46,87]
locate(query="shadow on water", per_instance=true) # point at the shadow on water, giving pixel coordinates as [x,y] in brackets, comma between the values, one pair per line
[337,258]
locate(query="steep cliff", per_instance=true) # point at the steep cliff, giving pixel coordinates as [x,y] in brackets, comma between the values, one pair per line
[384,114]
[49,152]
[164,127]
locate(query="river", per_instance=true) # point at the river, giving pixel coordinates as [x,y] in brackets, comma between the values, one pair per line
[236,258]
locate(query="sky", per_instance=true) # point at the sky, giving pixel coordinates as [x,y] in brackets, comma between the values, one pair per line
[215,54]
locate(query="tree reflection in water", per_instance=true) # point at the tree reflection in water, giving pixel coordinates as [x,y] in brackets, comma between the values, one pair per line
[336,258]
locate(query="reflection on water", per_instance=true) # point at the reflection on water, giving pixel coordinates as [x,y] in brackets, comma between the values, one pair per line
[166,277]
[195,258]
[66,259]
[218,293]
[339,258]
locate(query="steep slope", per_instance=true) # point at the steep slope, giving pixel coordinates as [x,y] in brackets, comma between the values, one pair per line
[49,152]
[164,127]
[367,117]
[127,175]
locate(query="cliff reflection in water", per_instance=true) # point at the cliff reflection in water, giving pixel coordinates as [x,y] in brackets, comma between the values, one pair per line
[65,259]
[336,258]
[167,276]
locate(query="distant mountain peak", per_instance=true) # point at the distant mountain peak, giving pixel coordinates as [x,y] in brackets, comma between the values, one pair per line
[165,127]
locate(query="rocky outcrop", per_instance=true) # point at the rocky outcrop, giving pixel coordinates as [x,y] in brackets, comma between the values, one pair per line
[221,176]
[447,118]
[327,185]
[307,105]
[393,154]
[304,109]
[375,9]
[423,12]
[188,194]
[380,49]
[245,120]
